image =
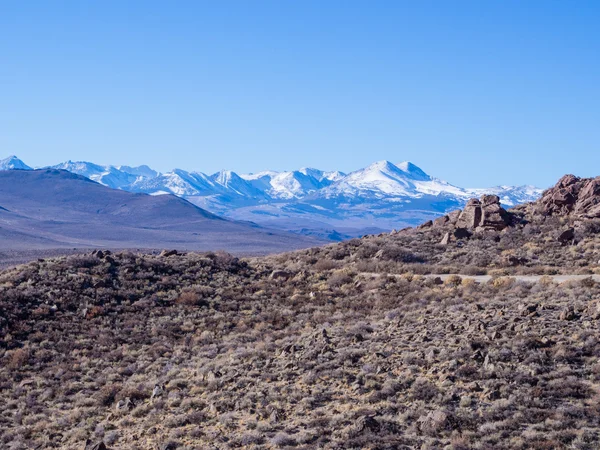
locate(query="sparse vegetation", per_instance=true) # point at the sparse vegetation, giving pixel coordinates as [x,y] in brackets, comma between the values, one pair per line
[346,346]
[331,358]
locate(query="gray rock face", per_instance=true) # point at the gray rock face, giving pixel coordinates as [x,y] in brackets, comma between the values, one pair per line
[471,216]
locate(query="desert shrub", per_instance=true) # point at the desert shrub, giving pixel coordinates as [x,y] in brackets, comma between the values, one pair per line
[323,265]
[107,394]
[191,298]
[18,358]
[453,280]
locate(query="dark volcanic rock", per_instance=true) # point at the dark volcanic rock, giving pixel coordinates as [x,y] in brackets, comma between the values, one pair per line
[89,445]
[567,236]
[461,233]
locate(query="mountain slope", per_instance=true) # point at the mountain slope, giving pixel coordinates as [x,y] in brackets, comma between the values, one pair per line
[382,196]
[55,208]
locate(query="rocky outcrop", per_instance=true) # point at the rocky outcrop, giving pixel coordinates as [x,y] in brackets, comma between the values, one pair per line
[494,216]
[486,213]
[572,196]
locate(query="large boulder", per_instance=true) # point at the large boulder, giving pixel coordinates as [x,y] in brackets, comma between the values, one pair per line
[567,236]
[494,216]
[471,215]
[486,213]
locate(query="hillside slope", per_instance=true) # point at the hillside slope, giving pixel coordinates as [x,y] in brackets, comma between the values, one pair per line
[136,352]
[560,232]
[52,208]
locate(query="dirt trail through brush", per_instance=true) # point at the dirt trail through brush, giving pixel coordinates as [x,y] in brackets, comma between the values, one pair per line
[526,278]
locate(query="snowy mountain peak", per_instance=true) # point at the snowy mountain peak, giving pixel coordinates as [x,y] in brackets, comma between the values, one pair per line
[383,166]
[12,163]
[225,177]
[413,171]
[86,169]
[334,175]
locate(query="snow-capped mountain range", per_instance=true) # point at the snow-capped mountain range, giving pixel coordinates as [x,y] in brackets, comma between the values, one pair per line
[381,196]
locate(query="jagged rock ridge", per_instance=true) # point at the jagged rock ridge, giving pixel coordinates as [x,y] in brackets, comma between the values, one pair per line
[573,196]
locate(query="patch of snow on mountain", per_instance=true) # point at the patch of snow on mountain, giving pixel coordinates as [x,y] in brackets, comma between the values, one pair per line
[232,182]
[509,195]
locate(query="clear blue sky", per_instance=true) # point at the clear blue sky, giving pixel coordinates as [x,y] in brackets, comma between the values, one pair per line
[475,92]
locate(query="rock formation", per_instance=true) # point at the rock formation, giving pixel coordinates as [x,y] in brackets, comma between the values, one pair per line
[572,195]
[485,213]
[478,215]
[471,216]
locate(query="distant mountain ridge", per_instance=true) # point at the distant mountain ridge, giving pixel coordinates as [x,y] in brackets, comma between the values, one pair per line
[310,201]
[53,208]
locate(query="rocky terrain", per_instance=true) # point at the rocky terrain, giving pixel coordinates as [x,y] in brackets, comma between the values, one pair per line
[346,346]
[556,234]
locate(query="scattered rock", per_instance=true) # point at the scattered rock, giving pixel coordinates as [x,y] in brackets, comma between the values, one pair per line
[593,310]
[529,310]
[568,314]
[167,253]
[446,239]
[567,236]
[157,391]
[281,274]
[434,422]
[367,423]
[515,261]
[89,445]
